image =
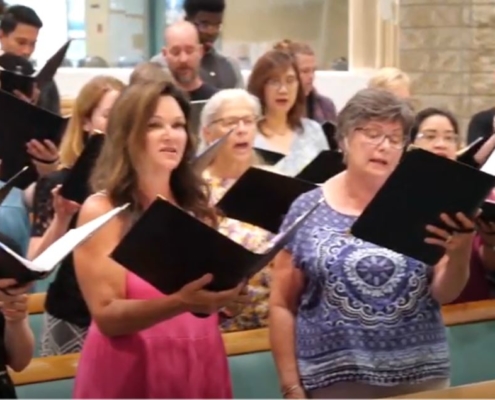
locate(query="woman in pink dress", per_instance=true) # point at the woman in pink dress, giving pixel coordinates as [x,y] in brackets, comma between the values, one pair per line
[143,344]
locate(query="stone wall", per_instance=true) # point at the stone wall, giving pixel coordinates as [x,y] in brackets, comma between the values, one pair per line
[448,48]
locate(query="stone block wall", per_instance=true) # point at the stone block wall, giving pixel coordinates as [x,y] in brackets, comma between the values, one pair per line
[448,48]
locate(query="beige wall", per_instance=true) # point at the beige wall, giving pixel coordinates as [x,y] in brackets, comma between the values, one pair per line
[448,48]
[250,27]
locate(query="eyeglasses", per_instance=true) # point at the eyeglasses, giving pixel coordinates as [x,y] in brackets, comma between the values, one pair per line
[233,122]
[376,137]
[288,83]
[450,139]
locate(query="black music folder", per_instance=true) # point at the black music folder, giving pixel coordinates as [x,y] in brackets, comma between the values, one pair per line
[76,184]
[14,80]
[23,121]
[330,131]
[466,155]
[47,73]
[488,211]
[262,198]
[326,164]
[268,157]
[16,267]
[7,187]
[168,248]
[422,187]
[207,156]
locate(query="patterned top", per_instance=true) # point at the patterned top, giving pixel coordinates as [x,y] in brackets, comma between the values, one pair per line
[309,141]
[254,315]
[366,314]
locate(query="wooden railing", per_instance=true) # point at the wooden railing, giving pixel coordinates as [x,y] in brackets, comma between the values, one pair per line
[54,368]
[236,343]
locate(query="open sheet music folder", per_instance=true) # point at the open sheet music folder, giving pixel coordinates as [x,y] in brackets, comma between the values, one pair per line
[23,270]
[422,187]
[262,198]
[324,166]
[76,185]
[168,248]
[203,160]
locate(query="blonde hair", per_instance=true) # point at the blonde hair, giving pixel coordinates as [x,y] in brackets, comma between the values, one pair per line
[149,72]
[86,102]
[388,78]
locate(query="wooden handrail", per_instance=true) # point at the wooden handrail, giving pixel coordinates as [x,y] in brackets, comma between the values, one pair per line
[466,313]
[36,303]
[482,390]
[45,369]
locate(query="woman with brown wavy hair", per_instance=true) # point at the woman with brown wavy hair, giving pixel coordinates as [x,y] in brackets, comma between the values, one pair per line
[66,318]
[275,81]
[143,344]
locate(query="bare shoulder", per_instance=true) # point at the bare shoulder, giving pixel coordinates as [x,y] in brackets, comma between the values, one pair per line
[94,206]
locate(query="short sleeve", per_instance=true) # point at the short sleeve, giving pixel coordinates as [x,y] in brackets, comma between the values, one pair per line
[43,203]
[302,204]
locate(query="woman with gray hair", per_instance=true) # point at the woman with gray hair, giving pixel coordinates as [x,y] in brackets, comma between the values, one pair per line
[349,319]
[226,110]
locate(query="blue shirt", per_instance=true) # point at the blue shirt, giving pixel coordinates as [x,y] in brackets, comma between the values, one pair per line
[14,219]
[308,142]
[366,314]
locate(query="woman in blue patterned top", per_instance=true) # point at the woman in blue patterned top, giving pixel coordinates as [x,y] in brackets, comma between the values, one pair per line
[275,82]
[349,319]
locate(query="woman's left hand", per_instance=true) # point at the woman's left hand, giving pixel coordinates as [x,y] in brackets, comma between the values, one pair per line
[44,156]
[457,238]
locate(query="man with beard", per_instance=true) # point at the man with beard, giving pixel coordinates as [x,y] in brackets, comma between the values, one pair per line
[183,54]
[216,69]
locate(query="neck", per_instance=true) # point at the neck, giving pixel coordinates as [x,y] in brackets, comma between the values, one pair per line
[191,86]
[155,184]
[360,190]
[226,169]
[276,121]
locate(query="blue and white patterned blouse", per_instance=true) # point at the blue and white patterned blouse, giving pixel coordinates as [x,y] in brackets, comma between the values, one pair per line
[366,314]
[308,142]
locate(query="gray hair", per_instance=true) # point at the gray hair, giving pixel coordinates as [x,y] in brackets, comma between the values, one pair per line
[374,104]
[217,101]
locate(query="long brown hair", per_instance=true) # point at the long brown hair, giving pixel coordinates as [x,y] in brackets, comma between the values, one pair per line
[268,66]
[115,171]
[87,100]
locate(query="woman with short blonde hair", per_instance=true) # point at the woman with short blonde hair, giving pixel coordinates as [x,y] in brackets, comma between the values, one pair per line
[393,80]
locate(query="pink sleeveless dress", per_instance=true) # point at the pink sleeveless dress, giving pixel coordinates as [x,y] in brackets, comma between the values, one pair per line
[183,357]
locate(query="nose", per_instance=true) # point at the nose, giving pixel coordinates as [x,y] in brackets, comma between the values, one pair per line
[282,88]
[183,58]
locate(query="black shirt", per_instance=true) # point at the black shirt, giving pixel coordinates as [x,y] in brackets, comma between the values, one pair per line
[218,71]
[64,299]
[204,92]
[481,125]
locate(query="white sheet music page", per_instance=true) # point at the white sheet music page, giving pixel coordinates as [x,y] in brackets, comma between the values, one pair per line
[489,165]
[54,254]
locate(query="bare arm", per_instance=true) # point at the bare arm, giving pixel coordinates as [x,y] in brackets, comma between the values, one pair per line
[55,231]
[19,342]
[287,285]
[102,280]
[450,277]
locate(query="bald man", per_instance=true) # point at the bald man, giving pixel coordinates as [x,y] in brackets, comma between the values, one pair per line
[183,53]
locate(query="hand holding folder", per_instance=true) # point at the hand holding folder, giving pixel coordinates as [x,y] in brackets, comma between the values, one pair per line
[169,248]
[16,267]
[421,188]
